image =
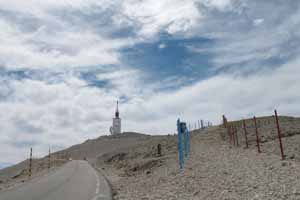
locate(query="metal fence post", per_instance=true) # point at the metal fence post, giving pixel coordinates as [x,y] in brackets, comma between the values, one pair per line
[279,135]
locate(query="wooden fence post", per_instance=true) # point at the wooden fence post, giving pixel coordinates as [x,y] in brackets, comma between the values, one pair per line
[30,163]
[159,150]
[236,135]
[257,135]
[49,160]
[232,133]
[245,131]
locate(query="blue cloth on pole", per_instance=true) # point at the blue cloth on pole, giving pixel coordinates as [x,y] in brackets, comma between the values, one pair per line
[180,150]
[186,141]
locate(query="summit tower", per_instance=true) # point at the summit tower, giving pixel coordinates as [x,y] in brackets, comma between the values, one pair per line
[116,126]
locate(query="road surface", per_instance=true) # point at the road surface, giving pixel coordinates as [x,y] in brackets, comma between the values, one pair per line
[76,180]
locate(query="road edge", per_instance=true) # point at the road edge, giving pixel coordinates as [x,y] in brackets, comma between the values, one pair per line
[107,182]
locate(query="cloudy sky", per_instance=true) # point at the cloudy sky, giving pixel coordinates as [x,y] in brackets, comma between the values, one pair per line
[63,65]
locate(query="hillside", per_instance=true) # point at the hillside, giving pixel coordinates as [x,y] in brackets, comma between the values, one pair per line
[90,150]
[215,169]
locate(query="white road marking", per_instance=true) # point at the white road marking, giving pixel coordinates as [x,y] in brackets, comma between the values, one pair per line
[98,182]
[98,196]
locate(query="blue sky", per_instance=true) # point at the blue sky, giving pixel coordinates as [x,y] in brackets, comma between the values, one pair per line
[64,64]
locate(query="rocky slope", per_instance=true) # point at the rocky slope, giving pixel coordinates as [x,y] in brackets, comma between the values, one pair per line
[215,169]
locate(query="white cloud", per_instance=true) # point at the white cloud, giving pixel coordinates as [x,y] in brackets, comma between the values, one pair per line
[154,16]
[219,4]
[234,95]
[43,49]
[240,43]
[52,41]
[258,22]
[68,112]
[172,16]
[162,46]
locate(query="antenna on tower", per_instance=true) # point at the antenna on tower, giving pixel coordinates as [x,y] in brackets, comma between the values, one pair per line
[116,126]
[117,110]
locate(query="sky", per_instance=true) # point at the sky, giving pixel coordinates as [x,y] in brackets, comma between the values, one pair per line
[64,64]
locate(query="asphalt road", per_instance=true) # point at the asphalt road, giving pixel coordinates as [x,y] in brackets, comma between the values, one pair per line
[76,180]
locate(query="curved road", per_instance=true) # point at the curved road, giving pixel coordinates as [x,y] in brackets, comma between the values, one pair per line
[76,180]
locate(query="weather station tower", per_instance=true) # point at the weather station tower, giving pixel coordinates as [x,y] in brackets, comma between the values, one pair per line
[116,126]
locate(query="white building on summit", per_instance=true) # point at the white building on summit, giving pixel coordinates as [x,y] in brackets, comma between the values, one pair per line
[116,126]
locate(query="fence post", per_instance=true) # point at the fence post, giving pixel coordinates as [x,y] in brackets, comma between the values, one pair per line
[257,135]
[245,130]
[228,133]
[236,134]
[159,150]
[186,139]
[49,160]
[30,163]
[232,133]
[279,135]
[180,152]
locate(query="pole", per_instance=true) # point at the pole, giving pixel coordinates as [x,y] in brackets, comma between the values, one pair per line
[180,153]
[257,136]
[245,131]
[279,135]
[224,121]
[236,134]
[233,136]
[49,160]
[202,126]
[30,163]
[229,129]
[198,124]
[159,150]
[228,133]
[186,140]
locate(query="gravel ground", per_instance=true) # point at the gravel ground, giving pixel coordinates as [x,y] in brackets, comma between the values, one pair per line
[214,170]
